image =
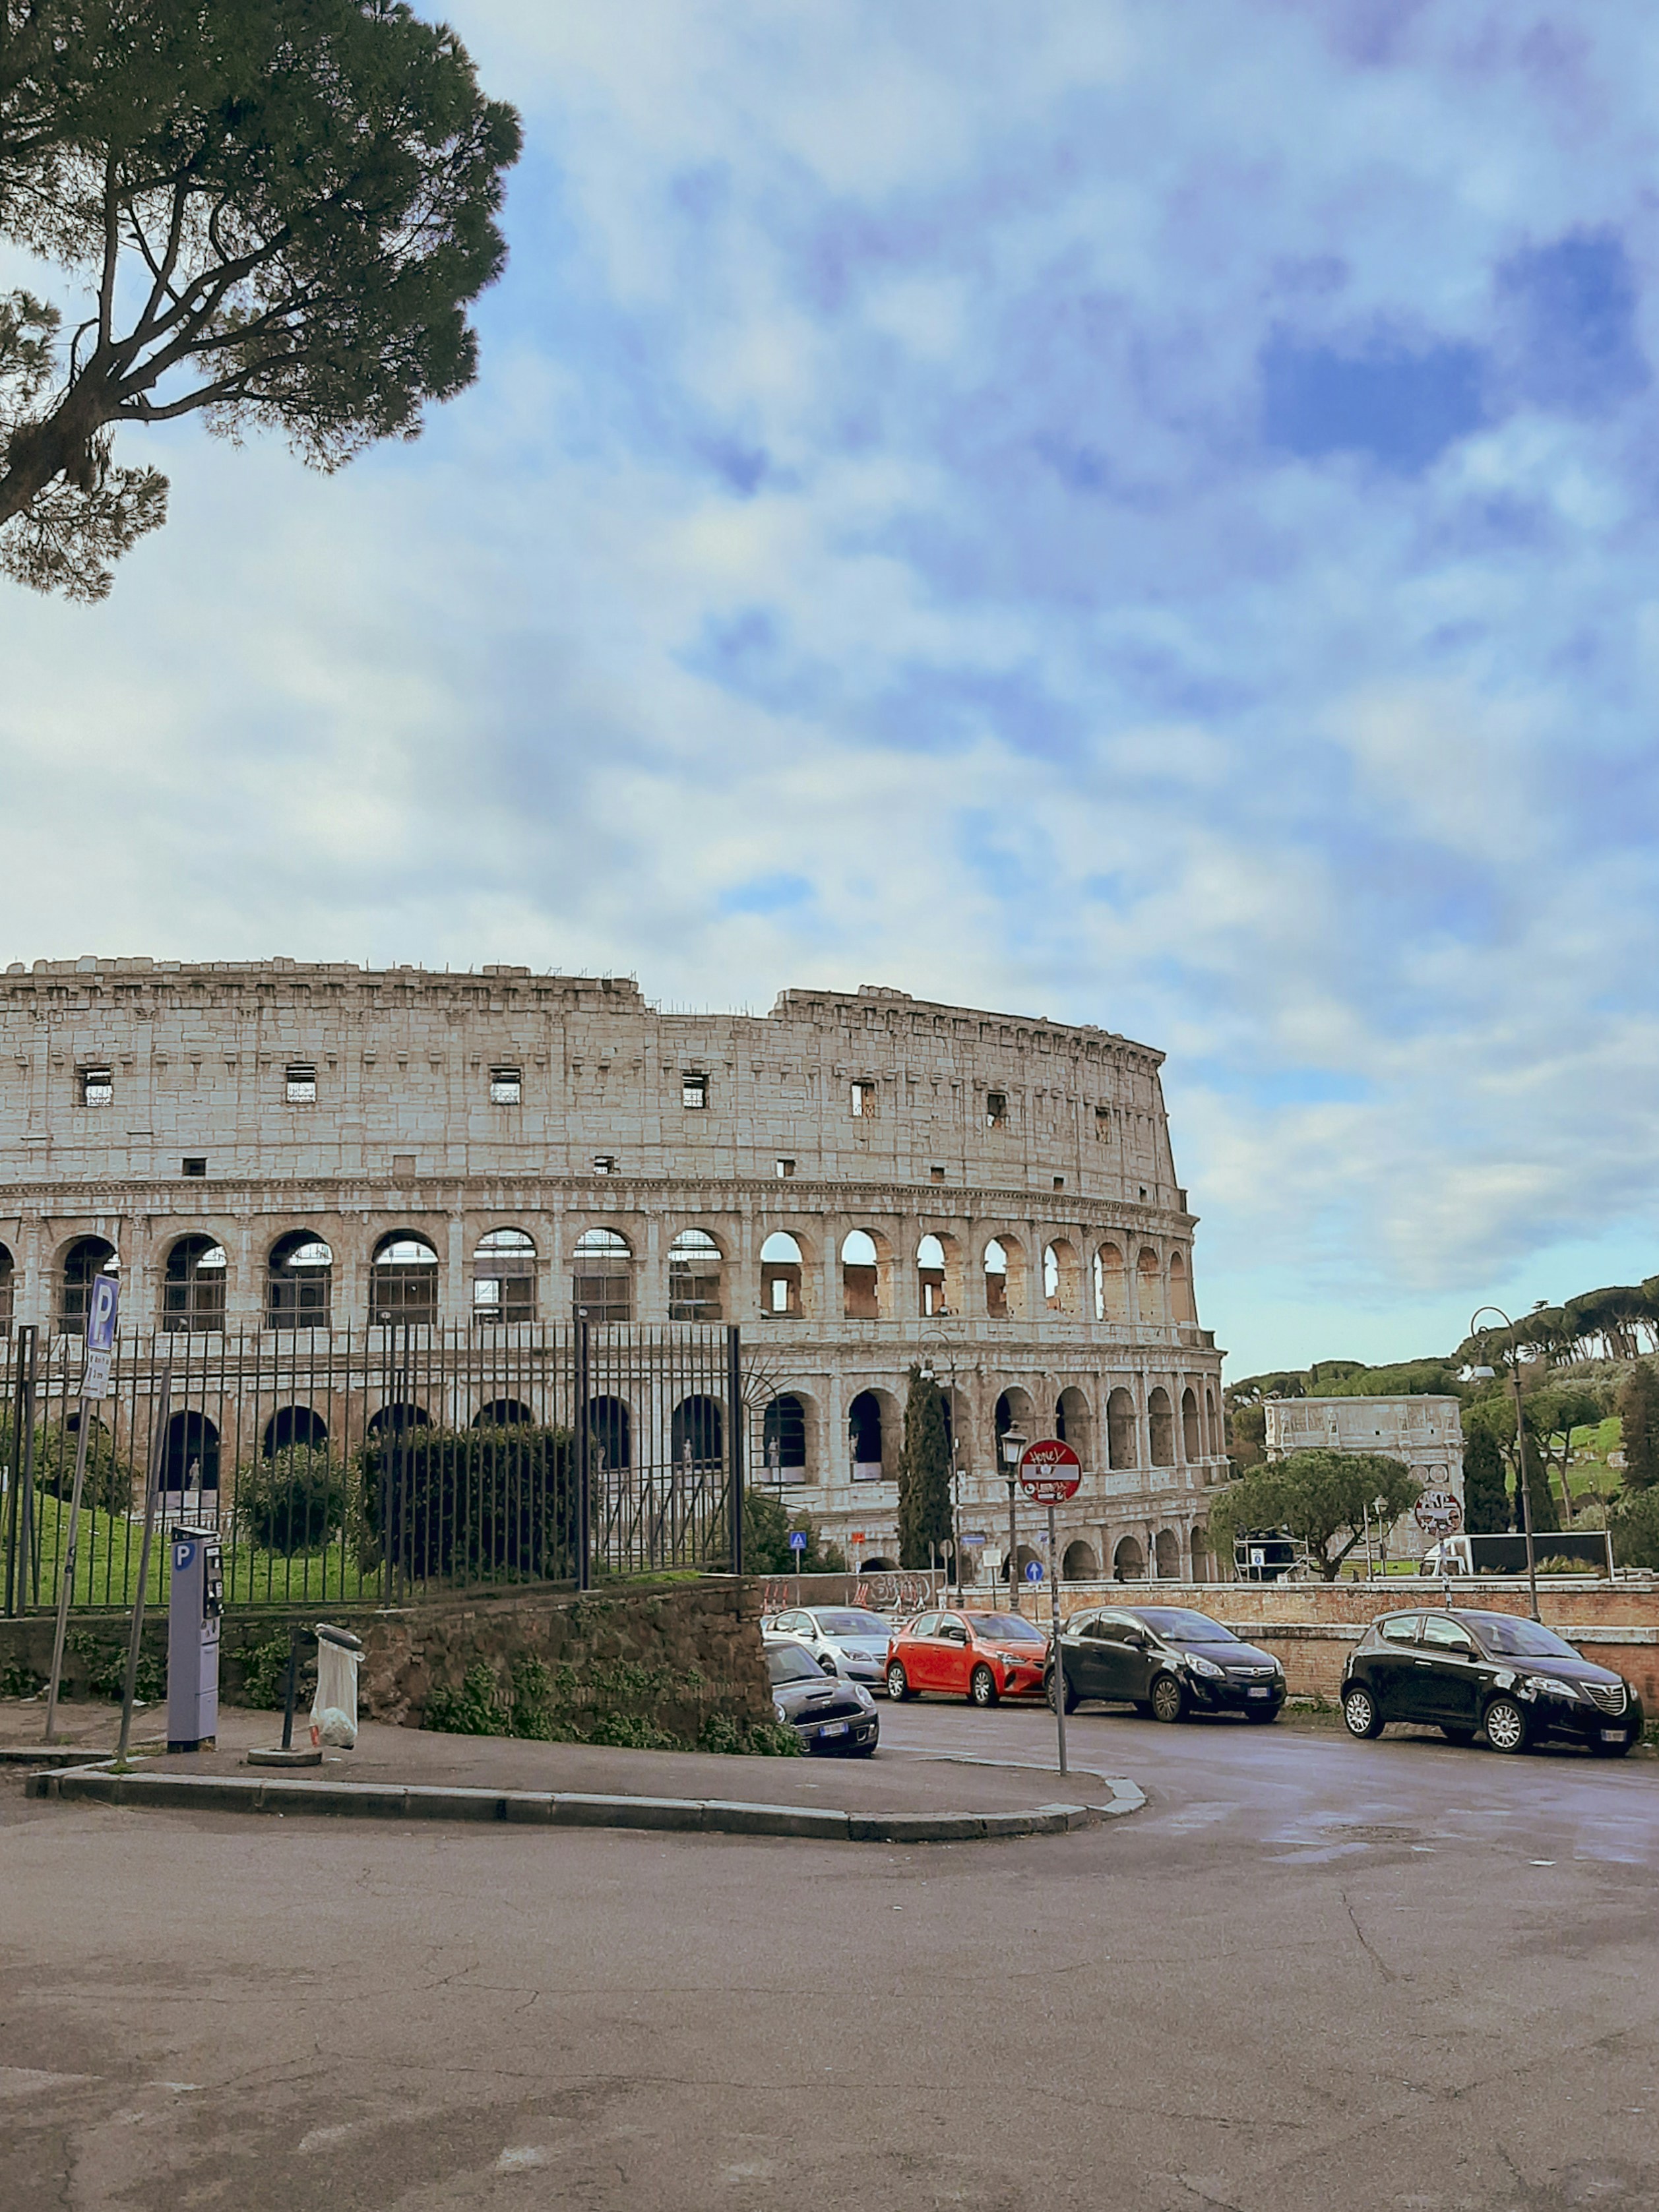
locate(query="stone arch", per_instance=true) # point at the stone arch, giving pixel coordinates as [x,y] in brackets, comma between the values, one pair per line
[1129,1561]
[938,1276]
[1167,1554]
[1202,1558]
[602,1276]
[1149,1287]
[1062,1279]
[7,1284]
[1120,1430]
[784,1438]
[1002,1264]
[1074,1422]
[1080,1563]
[503,1413]
[1015,1411]
[292,1426]
[397,1418]
[866,1276]
[82,1259]
[190,1453]
[1181,1289]
[402,1281]
[697,1435]
[865,1436]
[695,1263]
[1192,1440]
[1111,1285]
[299,1281]
[958,1417]
[1023,1557]
[504,1277]
[784,1292]
[193,1285]
[609,1433]
[878,1565]
[1211,1430]
[1160,1420]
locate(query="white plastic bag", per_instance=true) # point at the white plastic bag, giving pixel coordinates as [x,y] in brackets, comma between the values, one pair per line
[334,1708]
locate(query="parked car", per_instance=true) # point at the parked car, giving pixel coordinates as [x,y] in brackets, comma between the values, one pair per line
[845,1640]
[1168,1660]
[981,1657]
[827,1716]
[1498,1673]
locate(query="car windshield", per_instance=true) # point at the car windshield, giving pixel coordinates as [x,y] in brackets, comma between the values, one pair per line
[1181,1626]
[789,1663]
[851,1624]
[1004,1628]
[1507,1637]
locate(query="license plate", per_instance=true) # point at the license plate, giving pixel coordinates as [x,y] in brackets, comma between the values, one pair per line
[833,1728]
[1613,1736]
[1261,1693]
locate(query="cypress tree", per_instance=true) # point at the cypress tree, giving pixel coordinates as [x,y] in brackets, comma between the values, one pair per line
[923,1486]
[1485,1492]
[1638,1418]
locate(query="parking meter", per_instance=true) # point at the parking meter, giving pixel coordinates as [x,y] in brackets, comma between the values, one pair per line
[196,1601]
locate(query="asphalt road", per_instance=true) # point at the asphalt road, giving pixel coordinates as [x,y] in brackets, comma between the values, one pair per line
[1311,1974]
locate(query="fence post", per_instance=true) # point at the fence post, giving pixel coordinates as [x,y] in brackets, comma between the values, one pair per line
[584,1528]
[15,1468]
[734,1429]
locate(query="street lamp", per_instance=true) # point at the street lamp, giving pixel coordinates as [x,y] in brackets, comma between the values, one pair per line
[1013,1450]
[1519,1442]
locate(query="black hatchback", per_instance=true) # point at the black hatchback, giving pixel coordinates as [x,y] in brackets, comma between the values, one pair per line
[1167,1661]
[1492,1673]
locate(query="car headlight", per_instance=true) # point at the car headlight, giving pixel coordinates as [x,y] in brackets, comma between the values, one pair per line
[1014,1659]
[863,1696]
[1208,1668]
[778,1711]
[1551,1686]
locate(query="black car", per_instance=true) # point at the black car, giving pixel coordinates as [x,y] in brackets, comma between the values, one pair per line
[827,1715]
[1168,1662]
[1492,1672]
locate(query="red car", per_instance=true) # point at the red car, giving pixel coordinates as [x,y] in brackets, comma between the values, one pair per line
[981,1657]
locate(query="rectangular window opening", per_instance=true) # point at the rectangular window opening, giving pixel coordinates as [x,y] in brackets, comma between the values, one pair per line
[97,1086]
[786,1169]
[694,1091]
[194,1167]
[605,1164]
[938,1174]
[867,1101]
[300,1085]
[506,1086]
[1060,1182]
[996,1109]
[1104,1124]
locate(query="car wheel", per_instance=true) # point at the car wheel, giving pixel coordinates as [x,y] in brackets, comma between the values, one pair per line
[1506,1725]
[1169,1698]
[1464,1735]
[1071,1691]
[1612,1750]
[983,1686]
[898,1684]
[1359,1713]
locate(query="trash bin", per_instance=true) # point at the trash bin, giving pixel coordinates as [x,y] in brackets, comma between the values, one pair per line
[334,1708]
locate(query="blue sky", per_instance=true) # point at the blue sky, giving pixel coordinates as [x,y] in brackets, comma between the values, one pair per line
[1141,514]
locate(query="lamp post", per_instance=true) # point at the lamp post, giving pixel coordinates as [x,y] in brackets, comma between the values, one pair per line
[1519,1442]
[1013,1450]
[926,1367]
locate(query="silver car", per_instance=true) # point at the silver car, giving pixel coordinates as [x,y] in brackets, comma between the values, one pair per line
[845,1640]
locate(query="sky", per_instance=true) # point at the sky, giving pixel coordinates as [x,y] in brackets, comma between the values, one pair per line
[1140,515]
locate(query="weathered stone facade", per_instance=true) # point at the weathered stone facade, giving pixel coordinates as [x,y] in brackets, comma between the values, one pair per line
[267,1107]
[1426,1433]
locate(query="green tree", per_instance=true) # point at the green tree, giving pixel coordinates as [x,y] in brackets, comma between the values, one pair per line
[281,210]
[1493,1415]
[1323,1497]
[1634,1521]
[1552,1413]
[1486,1487]
[1638,1426]
[924,1481]
[766,1532]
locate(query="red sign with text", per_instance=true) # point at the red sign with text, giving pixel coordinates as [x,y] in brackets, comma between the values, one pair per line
[1049,1472]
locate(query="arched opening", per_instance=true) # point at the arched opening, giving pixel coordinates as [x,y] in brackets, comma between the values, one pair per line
[602,1281]
[1203,1558]
[782,1281]
[403,1282]
[1211,1431]
[293,1424]
[1192,1441]
[1080,1563]
[396,1420]
[1120,1430]
[1061,1284]
[504,1277]
[193,1291]
[694,1277]
[87,1258]
[1129,1561]
[878,1565]
[610,1431]
[1074,1425]
[954,1405]
[299,1281]
[930,1277]
[189,1458]
[1181,1289]
[1160,1419]
[864,1437]
[1005,1279]
[503,1413]
[861,1276]
[1167,1549]
[697,1435]
[1014,1411]
[783,1439]
[1149,1288]
[1023,1557]
[1111,1285]
[8,1278]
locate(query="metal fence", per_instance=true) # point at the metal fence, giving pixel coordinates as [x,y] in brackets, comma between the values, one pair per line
[377,1465]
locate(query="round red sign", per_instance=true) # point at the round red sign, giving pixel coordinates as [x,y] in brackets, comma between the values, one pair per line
[1049,1472]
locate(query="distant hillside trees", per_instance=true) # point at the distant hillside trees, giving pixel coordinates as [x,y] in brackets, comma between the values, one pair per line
[1485,1487]
[1638,1417]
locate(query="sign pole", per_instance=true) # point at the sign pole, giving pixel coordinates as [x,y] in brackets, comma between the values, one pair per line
[66,1580]
[1054,1639]
[152,1483]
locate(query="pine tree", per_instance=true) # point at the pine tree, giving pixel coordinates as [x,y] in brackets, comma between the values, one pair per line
[924,1487]
[1485,1492]
[1638,1416]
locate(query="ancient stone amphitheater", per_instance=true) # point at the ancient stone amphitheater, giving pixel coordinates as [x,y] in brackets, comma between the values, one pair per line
[862,1182]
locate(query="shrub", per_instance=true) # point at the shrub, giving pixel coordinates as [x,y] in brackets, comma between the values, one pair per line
[18,1680]
[265,1676]
[112,1483]
[106,1669]
[475,1709]
[476,1502]
[293,1502]
[1635,1524]
[761,1739]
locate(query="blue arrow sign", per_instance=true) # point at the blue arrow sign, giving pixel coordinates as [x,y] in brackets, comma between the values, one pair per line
[1034,1571]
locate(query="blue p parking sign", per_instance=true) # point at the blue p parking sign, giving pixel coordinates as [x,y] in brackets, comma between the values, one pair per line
[106,1292]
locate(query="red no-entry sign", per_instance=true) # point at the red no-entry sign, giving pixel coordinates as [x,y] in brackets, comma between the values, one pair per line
[1049,1472]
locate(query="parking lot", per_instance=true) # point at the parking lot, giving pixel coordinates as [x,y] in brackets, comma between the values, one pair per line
[1313,1973]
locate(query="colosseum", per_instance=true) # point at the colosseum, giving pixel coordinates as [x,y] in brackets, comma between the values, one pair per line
[864,1183]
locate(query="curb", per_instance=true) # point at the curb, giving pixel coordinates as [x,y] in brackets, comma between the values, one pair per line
[565,1809]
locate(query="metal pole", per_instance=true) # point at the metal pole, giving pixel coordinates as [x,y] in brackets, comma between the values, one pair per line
[15,1475]
[734,1427]
[1060,1665]
[66,1581]
[584,1560]
[1013,1557]
[288,1693]
[1521,1464]
[157,1448]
